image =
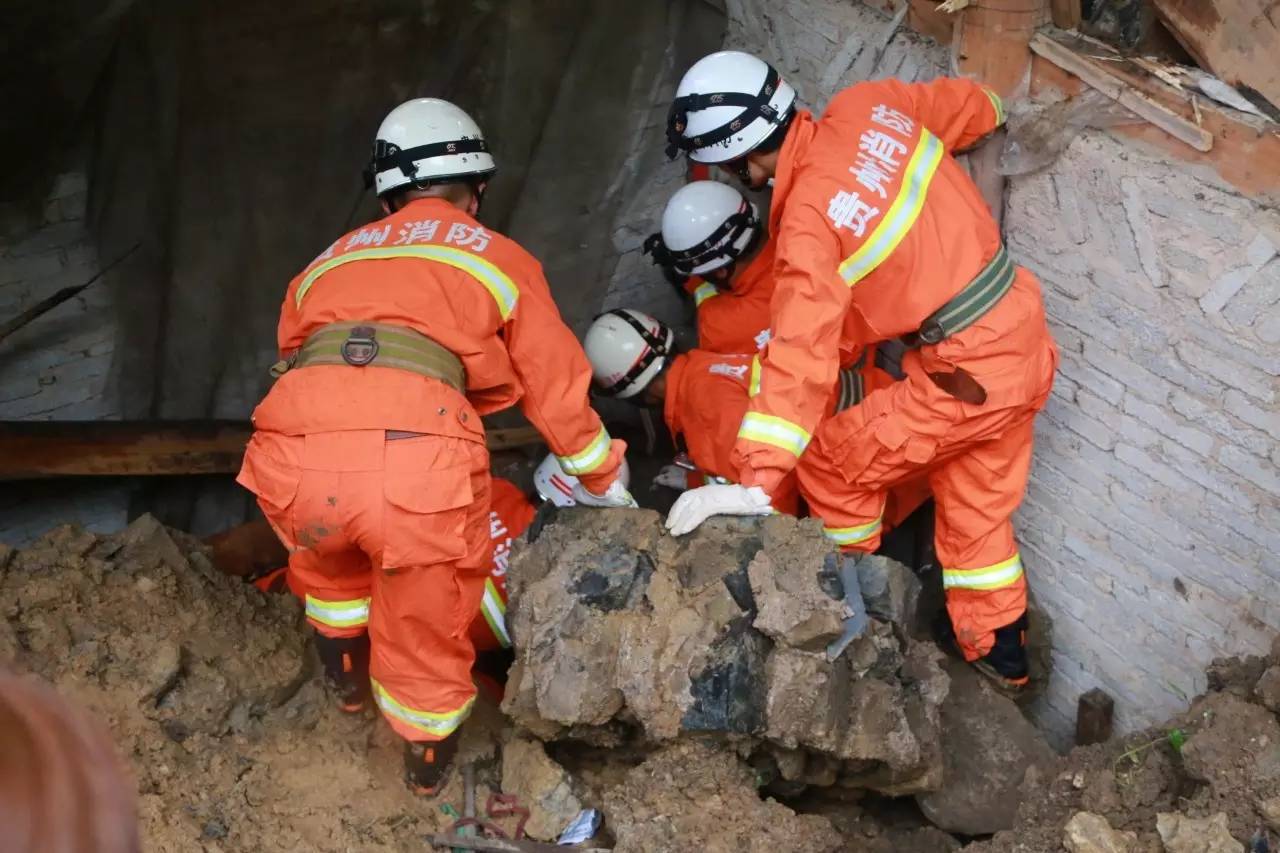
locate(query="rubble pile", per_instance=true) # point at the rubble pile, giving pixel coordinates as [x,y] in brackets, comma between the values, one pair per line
[1207,781]
[207,688]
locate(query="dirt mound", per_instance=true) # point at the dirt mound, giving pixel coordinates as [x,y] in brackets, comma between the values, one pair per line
[1214,769]
[206,687]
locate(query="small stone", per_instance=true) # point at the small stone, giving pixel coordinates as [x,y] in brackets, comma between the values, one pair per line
[1270,811]
[1090,833]
[542,785]
[1182,834]
[1267,690]
[1077,781]
[145,585]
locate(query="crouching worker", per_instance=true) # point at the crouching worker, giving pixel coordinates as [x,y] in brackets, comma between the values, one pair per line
[369,456]
[704,395]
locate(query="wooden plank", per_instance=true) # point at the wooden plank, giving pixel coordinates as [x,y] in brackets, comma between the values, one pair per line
[1123,93]
[1238,40]
[1245,153]
[1094,713]
[31,450]
[992,43]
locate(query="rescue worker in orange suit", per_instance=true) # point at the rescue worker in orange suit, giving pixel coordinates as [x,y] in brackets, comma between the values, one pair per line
[882,235]
[704,396]
[369,455]
[712,239]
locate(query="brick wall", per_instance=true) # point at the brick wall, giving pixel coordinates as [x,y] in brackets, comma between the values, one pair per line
[57,367]
[1152,520]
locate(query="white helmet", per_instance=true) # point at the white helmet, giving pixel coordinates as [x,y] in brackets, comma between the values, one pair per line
[426,141]
[627,350]
[706,225]
[553,484]
[726,105]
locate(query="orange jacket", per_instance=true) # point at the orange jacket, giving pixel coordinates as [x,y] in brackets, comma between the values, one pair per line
[433,268]
[877,227]
[736,320]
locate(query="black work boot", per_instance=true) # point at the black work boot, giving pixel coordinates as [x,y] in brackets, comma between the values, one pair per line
[427,764]
[1006,664]
[346,669]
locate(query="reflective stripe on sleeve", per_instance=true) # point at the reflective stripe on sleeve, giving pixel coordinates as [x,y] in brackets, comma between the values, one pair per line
[495,612]
[703,292]
[753,387]
[995,576]
[338,614]
[590,458]
[439,725]
[997,103]
[853,535]
[775,431]
[902,214]
[500,286]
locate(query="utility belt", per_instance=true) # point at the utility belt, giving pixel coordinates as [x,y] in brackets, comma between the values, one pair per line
[966,307]
[852,386]
[361,344]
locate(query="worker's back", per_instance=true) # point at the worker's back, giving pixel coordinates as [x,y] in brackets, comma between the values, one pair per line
[428,267]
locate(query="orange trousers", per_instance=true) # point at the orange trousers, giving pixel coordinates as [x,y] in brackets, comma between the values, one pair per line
[390,535]
[975,460]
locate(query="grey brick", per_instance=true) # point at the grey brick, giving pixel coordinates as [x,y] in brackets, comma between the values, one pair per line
[70,184]
[1158,418]
[1205,472]
[1266,419]
[1256,469]
[41,265]
[1086,376]
[1242,377]
[1212,418]
[1138,379]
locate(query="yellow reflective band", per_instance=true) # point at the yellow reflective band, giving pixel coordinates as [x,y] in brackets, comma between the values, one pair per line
[987,577]
[589,459]
[703,292]
[769,429]
[902,213]
[997,103]
[500,286]
[338,614]
[440,725]
[853,535]
[753,388]
[495,612]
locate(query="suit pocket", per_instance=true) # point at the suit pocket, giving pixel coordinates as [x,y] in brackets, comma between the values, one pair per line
[425,517]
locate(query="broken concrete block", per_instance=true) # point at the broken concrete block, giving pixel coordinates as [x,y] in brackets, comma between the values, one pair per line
[619,626]
[1090,833]
[988,748]
[1217,753]
[693,797]
[1269,810]
[1182,834]
[1267,690]
[541,784]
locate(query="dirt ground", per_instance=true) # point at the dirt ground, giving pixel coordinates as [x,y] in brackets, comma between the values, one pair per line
[208,688]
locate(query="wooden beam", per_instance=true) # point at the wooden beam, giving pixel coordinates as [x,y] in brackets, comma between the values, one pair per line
[992,43]
[31,450]
[1121,92]
[1245,151]
[1066,13]
[1238,40]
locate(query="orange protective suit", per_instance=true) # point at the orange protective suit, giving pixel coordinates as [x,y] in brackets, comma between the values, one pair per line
[735,319]
[706,397]
[377,478]
[510,514]
[877,228]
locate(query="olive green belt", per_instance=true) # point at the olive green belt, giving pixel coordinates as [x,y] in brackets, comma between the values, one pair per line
[363,344]
[963,310]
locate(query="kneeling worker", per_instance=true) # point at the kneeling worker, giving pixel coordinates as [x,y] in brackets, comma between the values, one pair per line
[369,458]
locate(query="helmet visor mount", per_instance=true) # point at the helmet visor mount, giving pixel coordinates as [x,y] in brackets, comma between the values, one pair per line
[656,348]
[387,156]
[753,107]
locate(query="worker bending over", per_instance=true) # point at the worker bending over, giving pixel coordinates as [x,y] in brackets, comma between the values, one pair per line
[712,239]
[881,234]
[369,456]
[704,396]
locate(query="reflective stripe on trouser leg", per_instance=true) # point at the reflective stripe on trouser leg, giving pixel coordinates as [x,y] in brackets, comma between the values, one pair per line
[435,725]
[853,536]
[591,457]
[495,613]
[352,613]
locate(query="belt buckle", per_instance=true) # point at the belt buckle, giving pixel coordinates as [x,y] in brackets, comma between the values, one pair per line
[360,347]
[931,332]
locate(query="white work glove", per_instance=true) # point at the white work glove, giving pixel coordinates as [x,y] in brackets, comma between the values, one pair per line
[673,477]
[697,505]
[614,496]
